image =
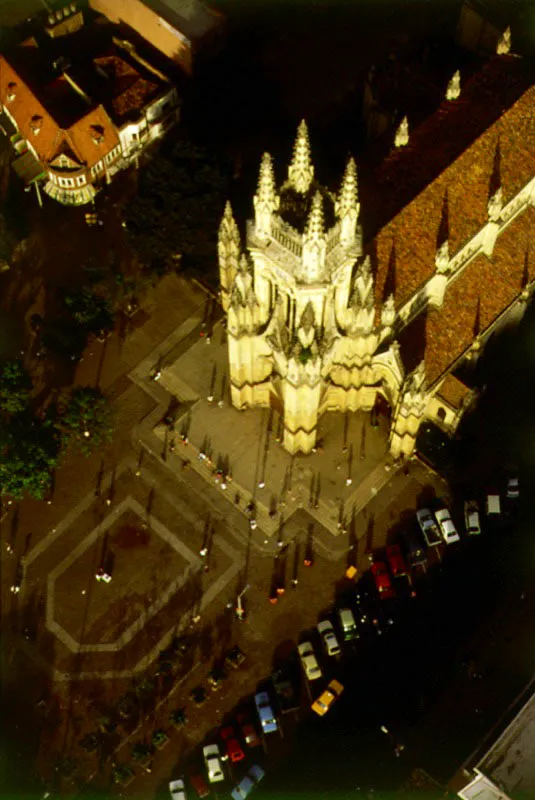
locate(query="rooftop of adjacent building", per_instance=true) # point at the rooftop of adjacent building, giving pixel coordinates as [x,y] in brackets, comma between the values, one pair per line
[191,17]
[436,144]
[71,74]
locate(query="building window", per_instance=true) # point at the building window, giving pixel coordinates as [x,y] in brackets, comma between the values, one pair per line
[80,180]
[441,414]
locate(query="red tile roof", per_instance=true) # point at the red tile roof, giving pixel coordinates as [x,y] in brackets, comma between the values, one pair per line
[435,167]
[483,291]
[51,140]
[453,391]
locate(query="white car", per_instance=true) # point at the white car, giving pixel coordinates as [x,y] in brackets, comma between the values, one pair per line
[212,759]
[176,789]
[447,528]
[309,662]
[471,517]
[326,631]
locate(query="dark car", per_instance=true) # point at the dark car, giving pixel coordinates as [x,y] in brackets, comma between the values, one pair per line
[199,784]
[248,731]
[396,562]
[415,551]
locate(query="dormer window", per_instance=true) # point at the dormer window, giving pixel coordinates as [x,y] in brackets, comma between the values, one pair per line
[97,133]
[36,124]
[11,94]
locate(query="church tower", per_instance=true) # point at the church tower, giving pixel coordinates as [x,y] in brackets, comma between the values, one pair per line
[302,319]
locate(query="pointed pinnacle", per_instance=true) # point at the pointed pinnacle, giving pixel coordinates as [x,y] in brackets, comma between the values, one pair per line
[504,44]
[266,179]
[348,197]
[454,87]
[301,170]
[315,219]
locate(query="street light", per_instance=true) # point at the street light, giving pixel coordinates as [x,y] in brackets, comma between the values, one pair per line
[239,610]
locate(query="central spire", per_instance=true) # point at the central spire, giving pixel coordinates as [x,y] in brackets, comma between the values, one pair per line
[301,171]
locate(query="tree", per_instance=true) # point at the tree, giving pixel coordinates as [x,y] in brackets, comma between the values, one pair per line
[178,208]
[15,387]
[91,310]
[87,420]
[29,451]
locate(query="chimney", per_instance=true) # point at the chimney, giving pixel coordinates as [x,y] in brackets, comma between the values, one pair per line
[72,7]
[51,19]
[59,16]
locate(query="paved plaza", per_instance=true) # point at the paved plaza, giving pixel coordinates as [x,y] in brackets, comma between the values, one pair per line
[134,510]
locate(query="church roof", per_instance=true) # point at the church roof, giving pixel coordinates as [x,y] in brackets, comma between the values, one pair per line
[472,303]
[448,169]
[453,391]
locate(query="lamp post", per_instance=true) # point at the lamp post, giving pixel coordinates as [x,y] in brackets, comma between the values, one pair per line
[239,610]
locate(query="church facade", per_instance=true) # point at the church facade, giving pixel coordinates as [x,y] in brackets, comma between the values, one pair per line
[375,294]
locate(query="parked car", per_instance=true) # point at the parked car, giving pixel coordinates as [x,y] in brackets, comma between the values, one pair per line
[309,662]
[493,505]
[429,527]
[327,698]
[265,712]
[416,551]
[348,625]
[395,559]
[177,790]
[513,487]
[212,760]
[248,783]
[382,580]
[234,750]
[328,637]
[447,528]
[471,517]
[248,731]
[283,683]
[199,784]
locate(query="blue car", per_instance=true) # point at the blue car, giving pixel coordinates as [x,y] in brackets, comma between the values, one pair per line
[248,783]
[265,712]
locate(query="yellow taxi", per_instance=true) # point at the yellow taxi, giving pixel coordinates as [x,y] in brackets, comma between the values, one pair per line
[327,698]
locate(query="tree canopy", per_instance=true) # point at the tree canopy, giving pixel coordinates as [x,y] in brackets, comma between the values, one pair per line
[29,451]
[15,387]
[177,211]
[87,420]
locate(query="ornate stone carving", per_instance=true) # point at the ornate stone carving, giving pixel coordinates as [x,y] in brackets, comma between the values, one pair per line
[495,206]
[347,206]
[266,200]
[442,258]
[388,312]
[314,242]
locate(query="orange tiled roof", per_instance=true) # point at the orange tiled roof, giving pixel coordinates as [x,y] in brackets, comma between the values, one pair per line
[473,302]
[404,250]
[453,391]
[51,139]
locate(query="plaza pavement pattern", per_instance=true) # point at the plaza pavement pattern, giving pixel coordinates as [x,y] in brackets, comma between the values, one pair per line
[97,631]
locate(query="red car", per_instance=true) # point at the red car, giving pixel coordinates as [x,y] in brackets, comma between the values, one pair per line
[248,731]
[396,562]
[234,748]
[199,784]
[382,580]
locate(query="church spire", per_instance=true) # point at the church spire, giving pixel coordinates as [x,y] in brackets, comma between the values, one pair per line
[504,44]
[228,248]
[347,206]
[314,245]
[265,200]
[402,133]
[453,89]
[301,171]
